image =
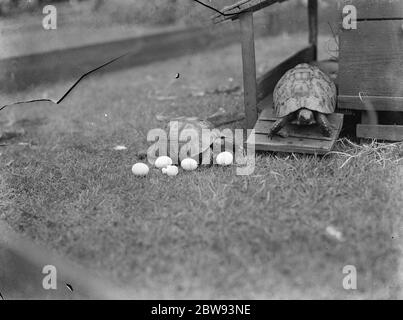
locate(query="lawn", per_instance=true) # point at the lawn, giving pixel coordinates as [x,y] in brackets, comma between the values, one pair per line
[202,234]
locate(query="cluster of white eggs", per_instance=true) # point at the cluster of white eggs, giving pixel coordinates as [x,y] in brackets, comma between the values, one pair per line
[165,164]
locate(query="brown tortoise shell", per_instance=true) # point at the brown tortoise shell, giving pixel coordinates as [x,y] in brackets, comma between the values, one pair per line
[304,86]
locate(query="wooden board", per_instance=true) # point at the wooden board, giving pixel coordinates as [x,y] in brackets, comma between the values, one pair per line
[381,132]
[232,12]
[300,140]
[371,60]
[370,103]
[249,68]
[267,82]
[375,9]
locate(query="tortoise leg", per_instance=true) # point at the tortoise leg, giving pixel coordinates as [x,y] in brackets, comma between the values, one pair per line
[278,125]
[324,124]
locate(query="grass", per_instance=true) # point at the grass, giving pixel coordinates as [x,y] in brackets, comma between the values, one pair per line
[203,234]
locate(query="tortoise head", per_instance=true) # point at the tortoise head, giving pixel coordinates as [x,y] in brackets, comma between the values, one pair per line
[305,117]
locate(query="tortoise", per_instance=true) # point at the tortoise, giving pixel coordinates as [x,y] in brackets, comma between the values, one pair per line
[305,95]
[194,127]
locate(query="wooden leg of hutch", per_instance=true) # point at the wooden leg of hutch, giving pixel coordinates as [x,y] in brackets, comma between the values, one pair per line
[313,25]
[365,119]
[249,68]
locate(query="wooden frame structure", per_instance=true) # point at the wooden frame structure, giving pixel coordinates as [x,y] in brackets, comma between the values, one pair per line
[258,92]
[371,69]
[255,90]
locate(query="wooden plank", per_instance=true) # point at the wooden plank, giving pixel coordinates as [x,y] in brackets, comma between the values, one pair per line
[370,103]
[371,59]
[249,68]
[268,81]
[303,140]
[236,6]
[381,132]
[313,25]
[375,9]
[234,11]
[366,118]
[267,119]
[296,145]
[369,117]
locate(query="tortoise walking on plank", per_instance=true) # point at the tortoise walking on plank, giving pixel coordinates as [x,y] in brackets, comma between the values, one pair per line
[304,95]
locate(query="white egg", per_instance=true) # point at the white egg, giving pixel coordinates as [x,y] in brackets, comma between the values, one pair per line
[225,158]
[189,164]
[163,162]
[140,169]
[118,148]
[170,171]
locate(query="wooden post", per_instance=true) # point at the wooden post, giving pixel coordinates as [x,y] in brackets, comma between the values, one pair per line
[313,25]
[367,117]
[249,68]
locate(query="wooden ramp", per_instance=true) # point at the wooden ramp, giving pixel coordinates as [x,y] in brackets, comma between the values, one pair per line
[300,140]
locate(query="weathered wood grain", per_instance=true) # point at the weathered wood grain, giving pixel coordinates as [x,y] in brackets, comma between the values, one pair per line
[300,140]
[296,145]
[375,9]
[381,132]
[249,68]
[371,103]
[371,60]
[233,12]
